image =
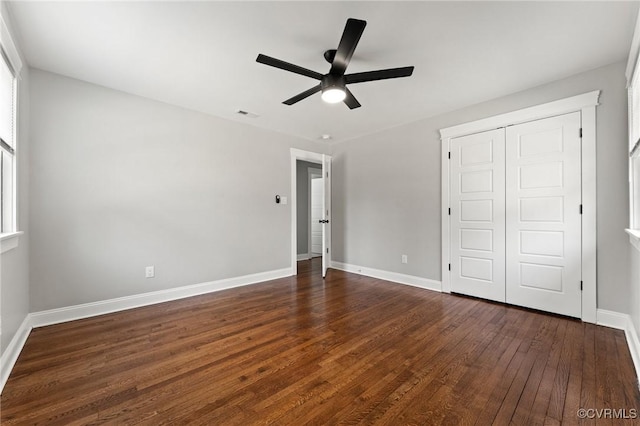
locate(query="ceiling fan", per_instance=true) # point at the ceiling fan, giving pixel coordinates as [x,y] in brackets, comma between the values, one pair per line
[334,84]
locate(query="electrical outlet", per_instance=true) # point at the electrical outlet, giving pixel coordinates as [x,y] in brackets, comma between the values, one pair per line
[404,259]
[150,271]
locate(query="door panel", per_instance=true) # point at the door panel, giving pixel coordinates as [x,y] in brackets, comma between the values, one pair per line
[542,243]
[543,221]
[476,210]
[476,239]
[477,215]
[476,268]
[480,181]
[540,209]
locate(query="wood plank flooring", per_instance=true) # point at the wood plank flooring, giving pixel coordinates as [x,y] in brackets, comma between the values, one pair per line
[300,350]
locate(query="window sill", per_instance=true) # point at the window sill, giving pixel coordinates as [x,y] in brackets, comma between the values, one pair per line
[9,241]
[634,237]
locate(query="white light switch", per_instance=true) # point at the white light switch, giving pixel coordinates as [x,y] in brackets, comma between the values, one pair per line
[283,200]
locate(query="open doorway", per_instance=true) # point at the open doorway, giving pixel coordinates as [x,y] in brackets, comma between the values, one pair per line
[310,226]
[309,196]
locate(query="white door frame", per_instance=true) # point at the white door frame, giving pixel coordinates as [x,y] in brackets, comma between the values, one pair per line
[314,157]
[586,104]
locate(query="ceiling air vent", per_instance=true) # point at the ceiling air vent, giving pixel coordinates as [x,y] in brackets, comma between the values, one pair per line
[246,113]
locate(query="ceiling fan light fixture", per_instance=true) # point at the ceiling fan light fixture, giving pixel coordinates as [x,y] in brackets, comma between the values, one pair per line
[333,95]
[333,88]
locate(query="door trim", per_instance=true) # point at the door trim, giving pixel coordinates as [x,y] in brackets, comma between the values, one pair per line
[586,104]
[297,154]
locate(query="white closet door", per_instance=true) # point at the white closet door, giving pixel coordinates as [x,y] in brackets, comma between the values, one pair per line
[543,219]
[477,215]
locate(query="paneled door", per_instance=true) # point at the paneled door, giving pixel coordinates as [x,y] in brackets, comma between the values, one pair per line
[477,199]
[317,191]
[543,215]
[326,209]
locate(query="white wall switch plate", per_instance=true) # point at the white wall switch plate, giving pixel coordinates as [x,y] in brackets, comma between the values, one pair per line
[150,272]
[404,258]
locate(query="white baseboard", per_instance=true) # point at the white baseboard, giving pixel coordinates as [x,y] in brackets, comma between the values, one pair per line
[612,319]
[395,277]
[86,310]
[304,256]
[623,322]
[11,353]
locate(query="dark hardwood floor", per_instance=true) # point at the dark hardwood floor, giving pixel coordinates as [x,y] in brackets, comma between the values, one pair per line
[300,350]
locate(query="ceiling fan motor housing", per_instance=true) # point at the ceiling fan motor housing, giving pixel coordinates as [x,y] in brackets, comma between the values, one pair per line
[330,81]
[329,55]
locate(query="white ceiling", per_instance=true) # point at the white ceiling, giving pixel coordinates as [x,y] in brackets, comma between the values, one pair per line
[201,55]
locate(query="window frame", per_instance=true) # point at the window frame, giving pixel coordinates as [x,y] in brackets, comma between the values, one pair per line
[6,149]
[9,53]
[633,108]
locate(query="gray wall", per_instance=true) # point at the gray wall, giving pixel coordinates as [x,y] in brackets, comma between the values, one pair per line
[14,264]
[387,186]
[119,182]
[302,204]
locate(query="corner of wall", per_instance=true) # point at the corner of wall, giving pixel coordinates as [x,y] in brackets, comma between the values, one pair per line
[12,352]
[623,322]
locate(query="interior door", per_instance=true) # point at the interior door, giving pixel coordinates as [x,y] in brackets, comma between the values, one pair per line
[543,225]
[477,215]
[326,209]
[317,191]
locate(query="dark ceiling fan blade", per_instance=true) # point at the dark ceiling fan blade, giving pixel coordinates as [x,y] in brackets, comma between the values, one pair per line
[301,96]
[350,38]
[268,60]
[351,100]
[361,77]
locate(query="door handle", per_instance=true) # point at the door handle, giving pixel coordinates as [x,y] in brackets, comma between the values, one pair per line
[323,221]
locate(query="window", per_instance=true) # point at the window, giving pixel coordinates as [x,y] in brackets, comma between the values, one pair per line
[8,98]
[634,150]
[633,85]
